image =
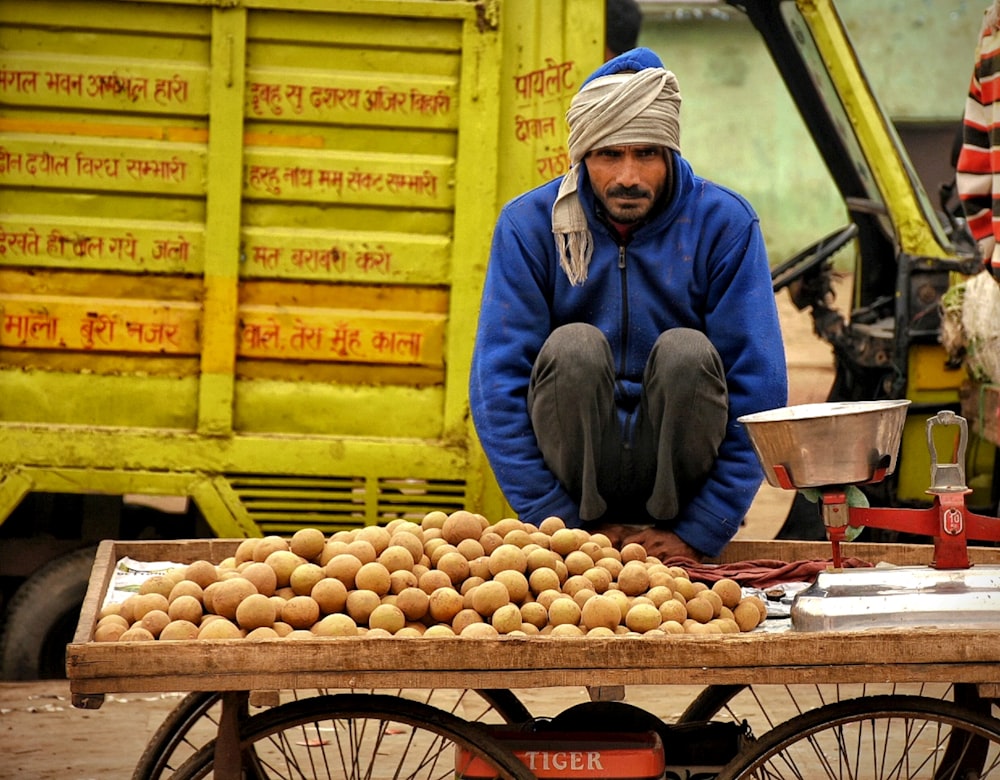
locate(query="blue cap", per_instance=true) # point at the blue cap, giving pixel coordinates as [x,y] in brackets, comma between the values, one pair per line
[631,60]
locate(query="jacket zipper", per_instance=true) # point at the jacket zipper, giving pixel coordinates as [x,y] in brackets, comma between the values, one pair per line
[624,278]
[627,432]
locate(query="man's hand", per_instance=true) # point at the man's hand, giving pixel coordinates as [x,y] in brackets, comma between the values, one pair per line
[616,532]
[662,544]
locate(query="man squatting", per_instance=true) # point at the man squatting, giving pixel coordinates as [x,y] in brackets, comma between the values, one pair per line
[627,321]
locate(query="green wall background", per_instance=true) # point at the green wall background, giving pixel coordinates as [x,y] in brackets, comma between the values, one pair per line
[740,128]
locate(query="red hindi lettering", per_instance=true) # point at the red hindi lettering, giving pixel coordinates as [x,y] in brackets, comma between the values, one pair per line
[97,326]
[294,93]
[22,81]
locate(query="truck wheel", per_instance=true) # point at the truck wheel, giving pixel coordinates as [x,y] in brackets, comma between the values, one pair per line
[42,616]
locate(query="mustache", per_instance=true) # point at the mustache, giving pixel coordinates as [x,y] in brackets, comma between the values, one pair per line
[629,192]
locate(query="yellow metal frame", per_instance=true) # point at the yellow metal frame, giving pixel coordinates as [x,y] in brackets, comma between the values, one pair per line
[898,188]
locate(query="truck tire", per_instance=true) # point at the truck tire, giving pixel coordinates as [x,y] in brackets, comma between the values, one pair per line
[42,616]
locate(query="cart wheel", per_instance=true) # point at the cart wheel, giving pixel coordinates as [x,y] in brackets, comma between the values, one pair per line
[195,721]
[765,706]
[191,724]
[876,737]
[352,735]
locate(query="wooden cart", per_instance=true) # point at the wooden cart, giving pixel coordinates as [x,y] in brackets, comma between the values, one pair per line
[967,659]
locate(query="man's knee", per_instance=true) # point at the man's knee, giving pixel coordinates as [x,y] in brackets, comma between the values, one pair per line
[685,351]
[578,348]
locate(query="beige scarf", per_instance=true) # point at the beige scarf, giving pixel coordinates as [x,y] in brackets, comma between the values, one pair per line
[616,110]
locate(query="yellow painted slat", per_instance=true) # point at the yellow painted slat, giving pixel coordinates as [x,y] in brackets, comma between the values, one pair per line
[253,373]
[121,18]
[101,244]
[64,370]
[400,30]
[27,122]
[374,298]
[339,97]
[383,411]
[57,399]
[104,325]
[95,83]
[344,335]
[345,256]
[88,284]
[96,164]
[399,181]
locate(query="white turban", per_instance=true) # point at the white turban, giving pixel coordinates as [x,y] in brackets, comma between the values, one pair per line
[615,110]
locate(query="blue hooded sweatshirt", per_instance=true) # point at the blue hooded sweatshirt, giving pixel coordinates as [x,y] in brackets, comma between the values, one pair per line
[699,262]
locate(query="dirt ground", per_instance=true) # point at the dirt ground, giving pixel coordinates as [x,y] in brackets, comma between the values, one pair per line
[43,736]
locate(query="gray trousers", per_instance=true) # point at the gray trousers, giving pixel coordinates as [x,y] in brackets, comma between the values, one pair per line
[644,471]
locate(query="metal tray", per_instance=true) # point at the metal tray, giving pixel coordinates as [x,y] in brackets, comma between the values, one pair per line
[905,596]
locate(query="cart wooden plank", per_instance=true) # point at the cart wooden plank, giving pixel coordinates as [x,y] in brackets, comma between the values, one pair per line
[882,655]
[927,655]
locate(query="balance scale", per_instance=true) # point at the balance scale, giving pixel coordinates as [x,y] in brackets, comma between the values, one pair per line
[829,447]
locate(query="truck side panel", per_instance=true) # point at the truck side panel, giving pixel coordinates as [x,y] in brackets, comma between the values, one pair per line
[243,244]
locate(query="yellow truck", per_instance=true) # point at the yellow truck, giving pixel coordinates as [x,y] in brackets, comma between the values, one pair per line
[241,249]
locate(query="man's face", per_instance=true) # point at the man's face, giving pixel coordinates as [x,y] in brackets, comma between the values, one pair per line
[628,180]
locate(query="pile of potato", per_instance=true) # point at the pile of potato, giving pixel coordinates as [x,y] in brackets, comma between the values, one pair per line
[449,575]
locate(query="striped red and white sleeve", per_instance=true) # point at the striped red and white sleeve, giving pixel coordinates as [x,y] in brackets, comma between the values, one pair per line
[978,168]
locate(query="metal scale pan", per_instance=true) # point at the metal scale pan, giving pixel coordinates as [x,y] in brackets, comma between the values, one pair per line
[830,446]
[817,445]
